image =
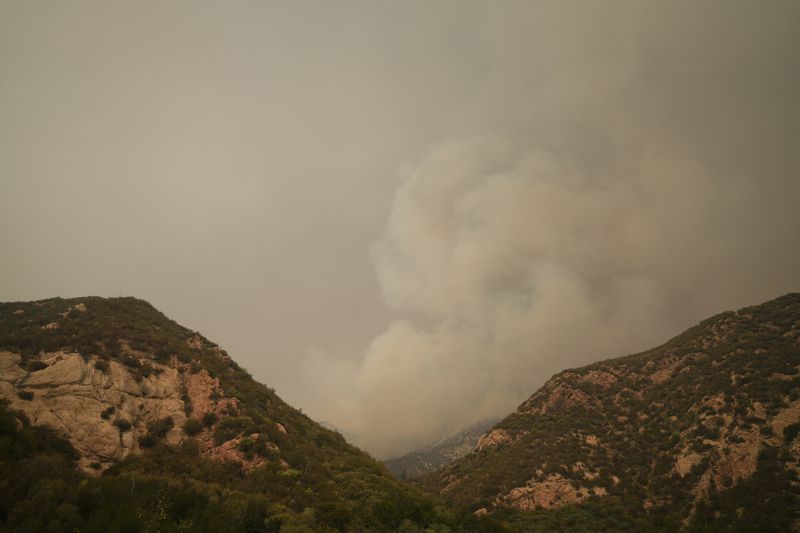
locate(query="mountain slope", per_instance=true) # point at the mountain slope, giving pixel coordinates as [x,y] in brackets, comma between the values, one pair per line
[433,457]
[702,430]
[168,433]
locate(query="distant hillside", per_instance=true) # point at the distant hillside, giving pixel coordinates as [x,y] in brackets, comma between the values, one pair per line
[701,432]
[349,437]
[436,456]
[115,418]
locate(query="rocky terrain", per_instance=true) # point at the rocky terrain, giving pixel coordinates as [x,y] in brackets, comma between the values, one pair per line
[701,430]
[106,406]
[433,457]
[115,418]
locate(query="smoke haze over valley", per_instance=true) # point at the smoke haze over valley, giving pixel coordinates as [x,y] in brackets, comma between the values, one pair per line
[404,216]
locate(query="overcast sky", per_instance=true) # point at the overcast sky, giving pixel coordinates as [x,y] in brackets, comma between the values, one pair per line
[404,216]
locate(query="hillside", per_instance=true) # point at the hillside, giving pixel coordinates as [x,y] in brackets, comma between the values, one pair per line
[115,418]
[700,432]
[433,457]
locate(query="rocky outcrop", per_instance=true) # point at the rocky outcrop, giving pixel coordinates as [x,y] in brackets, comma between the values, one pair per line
[78,401]
[710,410]
[560,397]
[206,395]
[685,462]
[86,401]
[497,437]
[440,454]
[553,492]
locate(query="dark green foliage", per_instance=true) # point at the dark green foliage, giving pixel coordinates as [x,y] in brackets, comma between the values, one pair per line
[608,515]
[327,486]
[156,430]
[35,365]
[231,427]
[720,374]
[147,441]
[129,361]
[209,419]
[246,444]
[107,412]
[168,489]
[765,502]
[791,431]
[192,426]
[97,331]
[122,424]
[101,365]
[330,486]
[25,395]
[160,427]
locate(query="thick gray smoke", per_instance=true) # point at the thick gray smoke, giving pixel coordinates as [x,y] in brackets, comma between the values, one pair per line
[624,171]
[585,179]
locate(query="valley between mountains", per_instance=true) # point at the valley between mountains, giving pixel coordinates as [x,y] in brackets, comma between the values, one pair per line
[116,418]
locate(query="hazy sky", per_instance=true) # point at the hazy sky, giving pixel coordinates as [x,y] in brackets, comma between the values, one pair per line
[404,216]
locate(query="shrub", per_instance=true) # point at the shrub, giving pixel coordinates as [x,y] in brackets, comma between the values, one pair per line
[209,419]
[246,444]
[122,424]
[25,395]
[146,370]
[229,428]
[35,365]
[791,431]
[190,447]
[159,428]
[107,412]
[129,361]
[101,365]
[192,426]
[147,441]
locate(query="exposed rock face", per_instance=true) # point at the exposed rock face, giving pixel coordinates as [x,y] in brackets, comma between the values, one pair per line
[685,462]
[78,401]
[229,451]
[553,492]
[682,423]
[442,453]
[115,382]
[497,437]
[70,395]
[206,395]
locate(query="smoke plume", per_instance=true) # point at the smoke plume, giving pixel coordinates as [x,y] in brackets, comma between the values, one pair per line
[622,172]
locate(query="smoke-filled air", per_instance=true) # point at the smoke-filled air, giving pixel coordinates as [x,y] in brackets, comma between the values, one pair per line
[615,193]
[405,217]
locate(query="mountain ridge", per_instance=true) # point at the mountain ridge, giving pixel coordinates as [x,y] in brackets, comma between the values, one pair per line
[701,433]
[439,454]
[168,433]
[673,432]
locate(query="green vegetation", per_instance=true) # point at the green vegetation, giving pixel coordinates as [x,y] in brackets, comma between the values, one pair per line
[714,387]
[167,489]
[122,424]
[100,329]
[36,365]
[192,426]
[765,502]
[209,419]
[25,395]
[303,476]
[156,431]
